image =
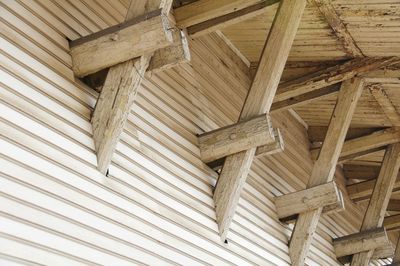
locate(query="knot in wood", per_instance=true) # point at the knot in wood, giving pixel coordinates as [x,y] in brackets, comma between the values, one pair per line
[114,37]
[232,136]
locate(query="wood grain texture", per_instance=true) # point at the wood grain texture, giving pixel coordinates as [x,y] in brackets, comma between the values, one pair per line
[125,43]
[235,138]
[392,222]
[325,166]
[258,101]
[337,25]
[387,106]
[113,106]
[380,198]
[358,242]
[307,199]
[330,76]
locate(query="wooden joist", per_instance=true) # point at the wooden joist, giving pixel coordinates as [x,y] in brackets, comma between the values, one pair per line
[379,253]
[376,210]
[363,190]
[363,145]
[329,76]
[235,138]
[338,27]
[392,223]
[324,168]
[258,101]
[221,21]
[308,199]
[119,92]
[138,36]
[359,242]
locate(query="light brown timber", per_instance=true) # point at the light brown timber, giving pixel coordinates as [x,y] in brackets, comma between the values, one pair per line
[307,199]
[235,138]
[359,242]
[380,198]
[392,222]
[379,253]
[324,167]
[258,101]
[387,106]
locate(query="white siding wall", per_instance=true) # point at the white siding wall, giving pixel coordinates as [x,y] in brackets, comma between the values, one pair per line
[156,206]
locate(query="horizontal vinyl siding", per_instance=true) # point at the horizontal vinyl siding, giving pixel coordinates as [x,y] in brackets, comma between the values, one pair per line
[156,206]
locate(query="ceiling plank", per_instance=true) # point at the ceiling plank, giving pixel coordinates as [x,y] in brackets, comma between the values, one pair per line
[378,203]
[324,168]
[338,27]
[258,101]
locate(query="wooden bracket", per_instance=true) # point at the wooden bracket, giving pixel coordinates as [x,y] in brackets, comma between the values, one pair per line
[309,199]
[235,138]
[360,242]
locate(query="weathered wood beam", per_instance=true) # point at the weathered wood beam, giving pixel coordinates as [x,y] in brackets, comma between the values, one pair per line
[363,190]
[378,203]
[205,10]
[392,223]
[235,138]
[259,100]
[138,36]
[275,147]
[359,242]
[119,92]
[387,106]
[328,11]
[221,21]
[308,199]
[379,253]
[396,257]
[364,145]
[389,74]
[330,76]
[324,168]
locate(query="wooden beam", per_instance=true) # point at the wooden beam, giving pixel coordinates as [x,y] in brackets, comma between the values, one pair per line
[363,190]
[380,198]
[318,133]
[330,76]
[119,92]
[362,145]
[363,172]
[308,199]
[222,21]
[396,258]
[205,10]
[235,138]
[387,106]
[269,149]
[324,168]
[379,253]
[328,11]
[258,101]
[359,242]
[138,36]
[392,223]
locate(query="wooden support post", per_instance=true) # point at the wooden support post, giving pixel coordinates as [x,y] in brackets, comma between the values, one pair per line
[359,242]
[380,198]
[119,92]
[258,101]
[324,168]
[354,147]
[308,199]
[235,138]
[396,258]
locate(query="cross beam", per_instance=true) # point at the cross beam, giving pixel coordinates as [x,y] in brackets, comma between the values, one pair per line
[378,203]
[324,168]
[258,101]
